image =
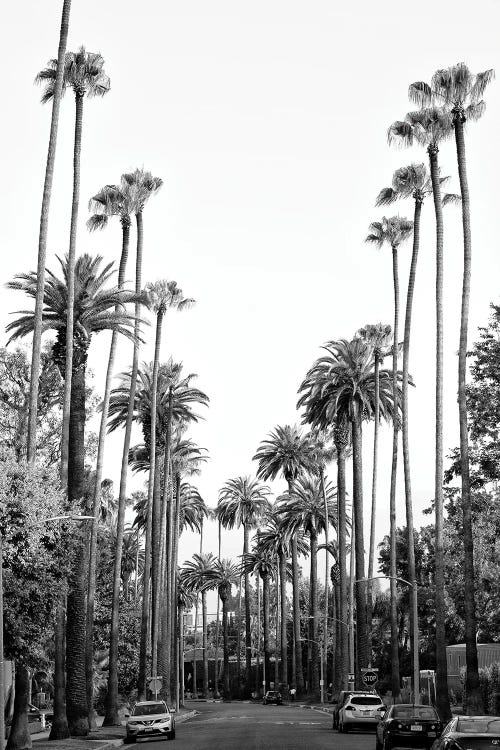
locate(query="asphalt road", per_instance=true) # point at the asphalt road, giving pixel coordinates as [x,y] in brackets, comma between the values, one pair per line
[247,726]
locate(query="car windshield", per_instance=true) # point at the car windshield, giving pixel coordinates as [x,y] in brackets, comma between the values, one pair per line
[146,709]
[480,725]
[414,712]
[368,700]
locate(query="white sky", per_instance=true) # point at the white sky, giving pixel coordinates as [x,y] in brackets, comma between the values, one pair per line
[267,122]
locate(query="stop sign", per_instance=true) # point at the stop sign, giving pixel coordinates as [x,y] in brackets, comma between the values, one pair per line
[369,677]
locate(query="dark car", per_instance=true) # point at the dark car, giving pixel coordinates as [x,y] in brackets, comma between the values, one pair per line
[408,725]
[474,732]
[344,695]
[272,696]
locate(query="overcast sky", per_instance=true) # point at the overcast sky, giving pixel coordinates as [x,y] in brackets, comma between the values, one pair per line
[267,121]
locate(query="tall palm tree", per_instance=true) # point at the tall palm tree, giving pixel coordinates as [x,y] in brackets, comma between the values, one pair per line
[227,575]
[340,388]
[461,92]
[97,308]
[262,562]
[305,509]
[60,724]
[379,337]
[325,452]
[429,127]
[394,231]
[288,452]
[276,538]
[161,296]
[139,186]
[199,575]
[84,73]
[243,501]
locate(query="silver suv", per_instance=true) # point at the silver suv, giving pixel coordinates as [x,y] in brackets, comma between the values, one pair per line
[150,718]
[360,711]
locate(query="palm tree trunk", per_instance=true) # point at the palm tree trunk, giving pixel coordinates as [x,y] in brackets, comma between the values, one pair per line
[216,692]
[205,643]
[265,627]
[313,621]
[42,241]
[97,487]
[357,496]
[70,308]
[442,698]
[283,638]
[181,655]
[155,574]
[352,576]
[474,702]
[371,557]
[111,717]
[248,632]
[195,676]
[153,470]
[175,553]
[277,633]
[406,453]
[257,674]
[298,677]
[59,729]
[19,737]
[340,444]
[395,680]
[339,654]
[238,642]
[225,644]
[76,689]
[327,575]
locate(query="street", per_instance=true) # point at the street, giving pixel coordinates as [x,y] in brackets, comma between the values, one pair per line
[247,726]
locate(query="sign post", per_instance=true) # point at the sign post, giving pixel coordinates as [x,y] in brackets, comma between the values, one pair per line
[154,684]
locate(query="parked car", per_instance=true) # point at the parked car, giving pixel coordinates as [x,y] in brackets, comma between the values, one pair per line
[343,696]
[408,725]
[360,710]
[150,718]
[474,732]
[272,696]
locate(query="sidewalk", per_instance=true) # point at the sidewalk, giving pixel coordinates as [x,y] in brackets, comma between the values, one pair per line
[102,738]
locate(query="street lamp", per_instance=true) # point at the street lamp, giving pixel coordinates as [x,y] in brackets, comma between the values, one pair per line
[2,674]
[414,607]
[321,675]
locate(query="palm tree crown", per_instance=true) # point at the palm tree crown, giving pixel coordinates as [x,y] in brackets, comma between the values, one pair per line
[287,451]
[305,509]
[83,72]
[242,502]
[394,231]
[97,307]
[457,88]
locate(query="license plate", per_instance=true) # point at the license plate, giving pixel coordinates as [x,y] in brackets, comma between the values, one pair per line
[366,713]
[149,729]
[416,728]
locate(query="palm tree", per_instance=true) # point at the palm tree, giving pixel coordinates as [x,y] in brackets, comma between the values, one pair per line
[97,308]
[84,73]
[379,337]
[288,452]
[275,538]
[429,127]
[59,726]
[200,575]
[227,574]
[262,562]
[305,509]
[460,91]
[340,387]
[185,599]
[243,502]
[139,186]
[161,296]
[324,453]
[394,231]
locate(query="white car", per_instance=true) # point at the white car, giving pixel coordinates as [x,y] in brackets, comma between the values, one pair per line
[360,711]
[150,718]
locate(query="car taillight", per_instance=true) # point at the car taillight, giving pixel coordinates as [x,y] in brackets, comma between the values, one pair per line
[349,708]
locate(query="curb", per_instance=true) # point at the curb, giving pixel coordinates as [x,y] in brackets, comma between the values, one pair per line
[315,708]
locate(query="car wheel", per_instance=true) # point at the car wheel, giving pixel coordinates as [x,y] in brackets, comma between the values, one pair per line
[171,736]
[129,740]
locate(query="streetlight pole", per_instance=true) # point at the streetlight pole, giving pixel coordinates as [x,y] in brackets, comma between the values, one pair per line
[414,606]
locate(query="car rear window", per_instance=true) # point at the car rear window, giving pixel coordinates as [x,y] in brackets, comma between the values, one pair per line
[415,712]
[148,709]
[369,700]
[479,726]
